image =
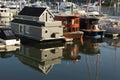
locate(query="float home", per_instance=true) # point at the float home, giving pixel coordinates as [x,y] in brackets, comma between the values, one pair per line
[91,27]
[37,23]
[71,25]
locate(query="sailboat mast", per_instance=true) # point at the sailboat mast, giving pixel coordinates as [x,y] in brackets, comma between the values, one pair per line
[100,6]
[88,3]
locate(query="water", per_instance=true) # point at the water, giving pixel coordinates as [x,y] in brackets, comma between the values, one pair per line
[88,60]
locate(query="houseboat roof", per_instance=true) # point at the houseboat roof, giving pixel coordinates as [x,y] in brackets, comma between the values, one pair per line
[6,33]
[67,16]
[32,11]
[27,22]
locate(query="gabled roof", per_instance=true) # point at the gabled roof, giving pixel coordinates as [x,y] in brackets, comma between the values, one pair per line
[32,11]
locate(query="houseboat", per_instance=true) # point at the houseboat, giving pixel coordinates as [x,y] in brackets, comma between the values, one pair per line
[71,25]
[5,12]
[7,37]
[91,27]
[38,24]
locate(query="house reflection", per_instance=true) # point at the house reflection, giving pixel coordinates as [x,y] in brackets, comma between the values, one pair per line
[71,52]
[91,46]
[8,51]
[41,59]
[6,55]
[91,51]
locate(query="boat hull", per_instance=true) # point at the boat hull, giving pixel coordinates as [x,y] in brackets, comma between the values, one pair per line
[94,34]
[78,34]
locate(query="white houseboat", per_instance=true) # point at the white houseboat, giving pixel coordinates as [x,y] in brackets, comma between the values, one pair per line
[37,23]
[5,12]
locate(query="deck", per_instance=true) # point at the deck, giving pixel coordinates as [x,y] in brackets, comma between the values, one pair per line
[77,34]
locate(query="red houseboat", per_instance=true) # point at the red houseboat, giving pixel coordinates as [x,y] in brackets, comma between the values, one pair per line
[71,25]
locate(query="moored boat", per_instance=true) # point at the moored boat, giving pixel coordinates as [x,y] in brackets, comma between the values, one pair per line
[5,12]
[37,23]
[91,27]
[71,26]
[111,25]
[7,37]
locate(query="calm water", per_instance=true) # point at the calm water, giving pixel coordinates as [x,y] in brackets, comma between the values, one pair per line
[78,60]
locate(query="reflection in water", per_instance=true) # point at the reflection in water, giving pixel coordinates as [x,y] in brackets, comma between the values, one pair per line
[115,43]
[42,59]
[91,46]
[71,52]
[6,55]
[9,51]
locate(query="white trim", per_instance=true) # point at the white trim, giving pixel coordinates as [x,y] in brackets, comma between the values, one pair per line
[10,42]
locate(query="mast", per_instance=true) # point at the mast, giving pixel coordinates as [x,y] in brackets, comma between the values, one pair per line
[88,3]
[118,6]
[100,6]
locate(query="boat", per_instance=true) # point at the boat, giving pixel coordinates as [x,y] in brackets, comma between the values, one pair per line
[5,21]
[77,34]
[37,23]
[92,9]
[8,48]
[91,27]
[112,25]
[71,26]
[7,37]
[5,12]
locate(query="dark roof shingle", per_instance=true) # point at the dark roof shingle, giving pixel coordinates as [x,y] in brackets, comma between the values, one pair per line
[32,11]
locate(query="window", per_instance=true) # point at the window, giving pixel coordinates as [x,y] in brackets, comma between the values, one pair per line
[8,33]
[65,22]
[27,29]
[46,17]
[76,21]
[73,21]
[20,29]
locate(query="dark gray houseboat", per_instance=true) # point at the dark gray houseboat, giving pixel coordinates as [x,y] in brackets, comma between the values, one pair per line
[37,23]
